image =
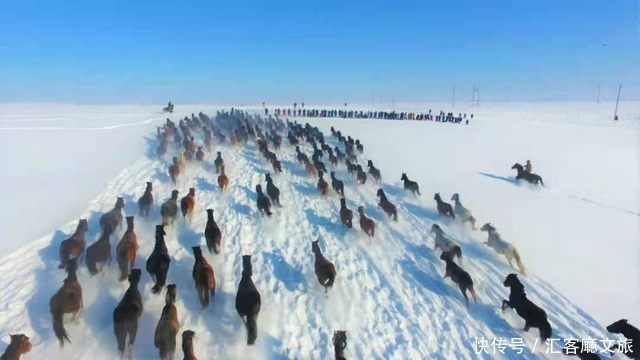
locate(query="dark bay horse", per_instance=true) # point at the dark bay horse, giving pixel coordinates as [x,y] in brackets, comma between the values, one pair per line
[187,204]
[100,251]
[346,215]
[530,177]
[187,345]
[203,277]
[114,217]
[73,247]
[325,270]
[126,250]
[340,344]
[146,201]
[19,346]
[212,234]
[159,261]
[386,205]
[67,300]
[126,315]
[248,300]
[366,224]
[168,326]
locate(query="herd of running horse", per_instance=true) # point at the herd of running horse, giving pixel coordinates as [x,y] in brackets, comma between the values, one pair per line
[238,128]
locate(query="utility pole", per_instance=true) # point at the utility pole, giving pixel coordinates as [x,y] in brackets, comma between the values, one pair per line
[473,95]
[599,86]
[453,97]
[615,115]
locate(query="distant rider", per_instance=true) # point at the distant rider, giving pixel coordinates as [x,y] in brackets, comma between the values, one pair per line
[527,167]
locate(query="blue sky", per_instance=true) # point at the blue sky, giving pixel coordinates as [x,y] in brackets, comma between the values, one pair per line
[316,51]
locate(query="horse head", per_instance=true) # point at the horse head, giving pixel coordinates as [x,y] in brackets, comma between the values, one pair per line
[437,197]
[315,247]
[340,339]
[517,166]
[246,265]
[197,251]
[20,344]
[404,177]
[487,227]
[172,293]
[455,197]
[259,189]
[446,256]
[149,186]
[618,326]
[119,202]
[435,229]
[174,195]
[160,231]
[192,191]
[134,276]
[512,281]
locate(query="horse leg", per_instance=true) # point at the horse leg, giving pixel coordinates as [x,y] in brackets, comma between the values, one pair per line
[505,304]
[527,326]
[463,289]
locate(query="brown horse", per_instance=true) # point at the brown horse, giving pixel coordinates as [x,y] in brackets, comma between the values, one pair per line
[361,176]
[346,215]
[168,325]
[73,247]
[68,300]
[366,224]
[323,186]
[127,313]
[187,345]
[169,210]
[126,250]
[325,270]
[174,170]
[374,172]
[223,180]
[203,277]
[200,154]
[19,346]
[100,251]
[310,168]
[212,234]
[113,218]
[146,201]
[187,204]
[340,343]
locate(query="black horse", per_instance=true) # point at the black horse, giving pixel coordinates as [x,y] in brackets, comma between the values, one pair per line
[525,175]
[532,314]
[444,208]
[410,185]
[248,300]
[629,331]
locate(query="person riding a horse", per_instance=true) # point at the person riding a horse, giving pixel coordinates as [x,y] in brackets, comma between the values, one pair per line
[527,167]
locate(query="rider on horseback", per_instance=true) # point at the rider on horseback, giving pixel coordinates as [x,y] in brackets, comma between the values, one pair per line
[527,167]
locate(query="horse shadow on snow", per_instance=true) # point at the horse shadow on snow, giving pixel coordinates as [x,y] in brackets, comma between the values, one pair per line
[285,272]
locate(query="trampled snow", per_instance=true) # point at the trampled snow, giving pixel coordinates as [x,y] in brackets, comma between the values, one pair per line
[578,236]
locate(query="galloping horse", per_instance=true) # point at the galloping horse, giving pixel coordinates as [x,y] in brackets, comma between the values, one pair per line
[248,300]
[19,346]
[325,270]
[496,242]
[68,300]
[530,177]
[126,314]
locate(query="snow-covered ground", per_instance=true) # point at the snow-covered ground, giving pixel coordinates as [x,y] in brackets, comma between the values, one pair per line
[578,236]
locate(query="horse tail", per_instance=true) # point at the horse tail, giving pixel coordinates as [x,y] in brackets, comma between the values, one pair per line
[121,336]
[516,256]
[472,220]
[473,293]
[64,257]
[545,329]
[457,251]
[58,327]
[123,265]
[418,190]
[541,182]
[202,285]
[91,264]
[252,329]
[330,280]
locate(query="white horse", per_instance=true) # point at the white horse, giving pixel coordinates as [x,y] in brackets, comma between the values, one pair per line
[462,212]
[502,247]
[444,243]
